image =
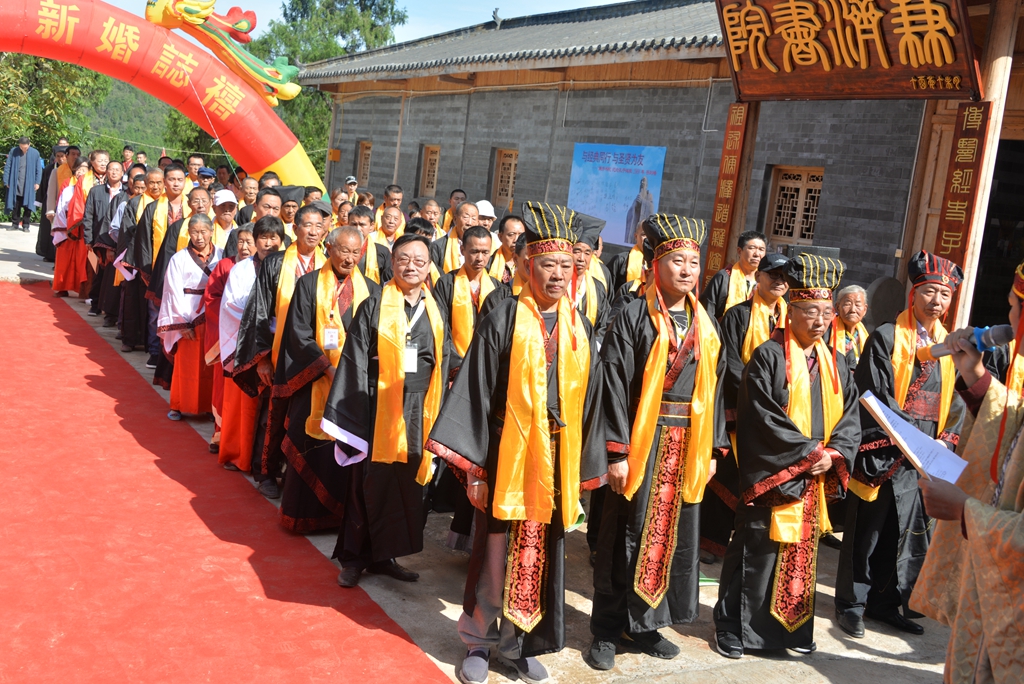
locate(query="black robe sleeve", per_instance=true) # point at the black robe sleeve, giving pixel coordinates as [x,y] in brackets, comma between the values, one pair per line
[716,294]
[92,218]
[126,234]
[384,263]
[442,292]
[774,455]
[351,405]
[301,361]
[617,268]
[437,249]
[255,337]
[997,362]
[245,214]
[734,330]
[143,244]
[231,245]
[168,248]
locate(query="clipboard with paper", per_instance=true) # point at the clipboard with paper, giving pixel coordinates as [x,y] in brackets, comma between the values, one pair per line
[933,460]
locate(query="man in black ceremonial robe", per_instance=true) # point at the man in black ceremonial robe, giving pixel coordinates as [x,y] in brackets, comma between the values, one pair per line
[735,284]
[532,364]
[384,399]
[661,363]
[744,327]
[375,263]
[887,529]
[798,408]
[322,309]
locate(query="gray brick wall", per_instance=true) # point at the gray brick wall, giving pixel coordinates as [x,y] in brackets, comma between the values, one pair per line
[867,150]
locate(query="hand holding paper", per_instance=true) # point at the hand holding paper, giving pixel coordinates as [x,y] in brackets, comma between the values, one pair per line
[932,459]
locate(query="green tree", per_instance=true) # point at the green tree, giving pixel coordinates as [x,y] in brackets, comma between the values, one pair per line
[45,99]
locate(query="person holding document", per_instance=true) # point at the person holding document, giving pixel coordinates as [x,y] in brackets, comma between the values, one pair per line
[887,531]
[972,575]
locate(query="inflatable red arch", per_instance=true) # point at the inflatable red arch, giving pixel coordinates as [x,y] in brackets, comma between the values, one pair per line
[108,40]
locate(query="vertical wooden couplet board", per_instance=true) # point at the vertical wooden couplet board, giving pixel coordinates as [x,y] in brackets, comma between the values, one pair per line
[960,196]
[728,188]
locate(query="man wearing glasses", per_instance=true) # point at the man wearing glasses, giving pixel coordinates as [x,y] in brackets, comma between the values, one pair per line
[745,327]
[798,405]
[385,396]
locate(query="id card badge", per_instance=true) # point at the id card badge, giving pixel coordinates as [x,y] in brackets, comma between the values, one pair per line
[411,356]
[330,339]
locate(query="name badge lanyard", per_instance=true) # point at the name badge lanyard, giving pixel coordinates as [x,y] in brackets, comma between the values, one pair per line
[411,349]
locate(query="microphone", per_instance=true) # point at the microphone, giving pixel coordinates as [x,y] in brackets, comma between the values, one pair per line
[985,339]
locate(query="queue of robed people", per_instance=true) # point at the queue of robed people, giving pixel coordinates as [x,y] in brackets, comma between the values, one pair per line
[368,366]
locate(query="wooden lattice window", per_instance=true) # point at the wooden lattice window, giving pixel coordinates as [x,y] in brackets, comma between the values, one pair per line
[796,191]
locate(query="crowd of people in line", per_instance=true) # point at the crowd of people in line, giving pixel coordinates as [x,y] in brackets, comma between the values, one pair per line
[368,363]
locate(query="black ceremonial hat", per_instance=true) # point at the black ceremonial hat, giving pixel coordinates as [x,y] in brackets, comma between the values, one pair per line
[813,277]
[669,233]
[925,267]
[588,229]
[292,193]
[550,228]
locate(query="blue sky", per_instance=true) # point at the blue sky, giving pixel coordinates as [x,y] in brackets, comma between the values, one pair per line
[426,17]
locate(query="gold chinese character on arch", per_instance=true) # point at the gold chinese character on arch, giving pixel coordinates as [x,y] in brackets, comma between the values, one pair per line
[956,211]
[174,66]
[747,30]
[973,116]
[857,28]
[925,29]
[119,39]
[963,179]
[966,150]
[951,240]
[799,24]
[56,22]
[223,98]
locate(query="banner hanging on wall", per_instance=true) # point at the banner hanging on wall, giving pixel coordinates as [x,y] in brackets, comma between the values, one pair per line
[618,183]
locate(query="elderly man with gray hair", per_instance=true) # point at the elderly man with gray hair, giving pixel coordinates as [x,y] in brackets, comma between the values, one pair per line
[848,333]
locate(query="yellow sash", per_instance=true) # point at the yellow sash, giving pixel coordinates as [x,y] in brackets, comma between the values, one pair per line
[143,203]
[371,267]
[702,406]
[1015,373]
[787,524]
[451,253]
[88,181]
[63,175]
[435,275]
[285,290]
[447,223]
[390,443]
[519,284]
[597,273]
[760,328]
[381,239]
[160,225]
[737,288]
[524,487]
[904,353]
[328,315]
[497,269]
[463,310]
[634,264]
[840,339]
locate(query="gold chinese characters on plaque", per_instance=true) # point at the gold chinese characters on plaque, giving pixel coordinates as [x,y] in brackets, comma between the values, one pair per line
[849,49]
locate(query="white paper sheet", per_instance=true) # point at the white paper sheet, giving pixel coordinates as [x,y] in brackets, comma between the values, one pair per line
[933,460]
[119,265]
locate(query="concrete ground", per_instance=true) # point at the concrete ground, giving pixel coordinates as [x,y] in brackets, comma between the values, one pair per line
[428,609]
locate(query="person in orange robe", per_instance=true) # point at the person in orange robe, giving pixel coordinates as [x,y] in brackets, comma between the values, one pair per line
[181,322]
[72,261]
[66,236]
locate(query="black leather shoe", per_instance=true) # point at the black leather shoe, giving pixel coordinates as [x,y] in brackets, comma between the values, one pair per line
[269,489]
[652,644]
[805,650]
[729,645]
[600,655]
[831,541]
[851,623]
[349,577]
[899,622]
[393,569]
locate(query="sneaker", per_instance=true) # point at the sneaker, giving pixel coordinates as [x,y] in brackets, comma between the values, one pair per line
[729,645]
[475,667]
[600,655]
[530,670]
[174,415]
[652,644]
[151,361]
[269,489]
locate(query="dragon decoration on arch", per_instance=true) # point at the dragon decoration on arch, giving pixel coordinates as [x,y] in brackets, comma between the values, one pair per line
[225,37]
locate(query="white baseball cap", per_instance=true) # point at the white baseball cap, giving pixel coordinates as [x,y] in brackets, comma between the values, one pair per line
[485,208]
[224,197]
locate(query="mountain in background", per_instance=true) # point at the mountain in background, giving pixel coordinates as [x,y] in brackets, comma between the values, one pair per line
[127,114]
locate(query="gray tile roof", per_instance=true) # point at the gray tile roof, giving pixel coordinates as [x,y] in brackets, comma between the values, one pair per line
[623,32]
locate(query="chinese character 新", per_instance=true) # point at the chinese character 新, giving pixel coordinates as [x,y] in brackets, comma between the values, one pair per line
[956,211]
[223,98]
[119,39]
[721,213]
[966,150]
[799,24]
[962,181]
[747,31]
[725,189]
[174,66]
[924,29]
[973,116]
[55,21]
[951,240]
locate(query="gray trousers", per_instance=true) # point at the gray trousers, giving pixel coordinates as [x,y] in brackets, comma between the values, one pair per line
[153,343]
[482,629]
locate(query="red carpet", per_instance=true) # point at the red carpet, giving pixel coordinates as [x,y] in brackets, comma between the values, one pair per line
[128,555]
